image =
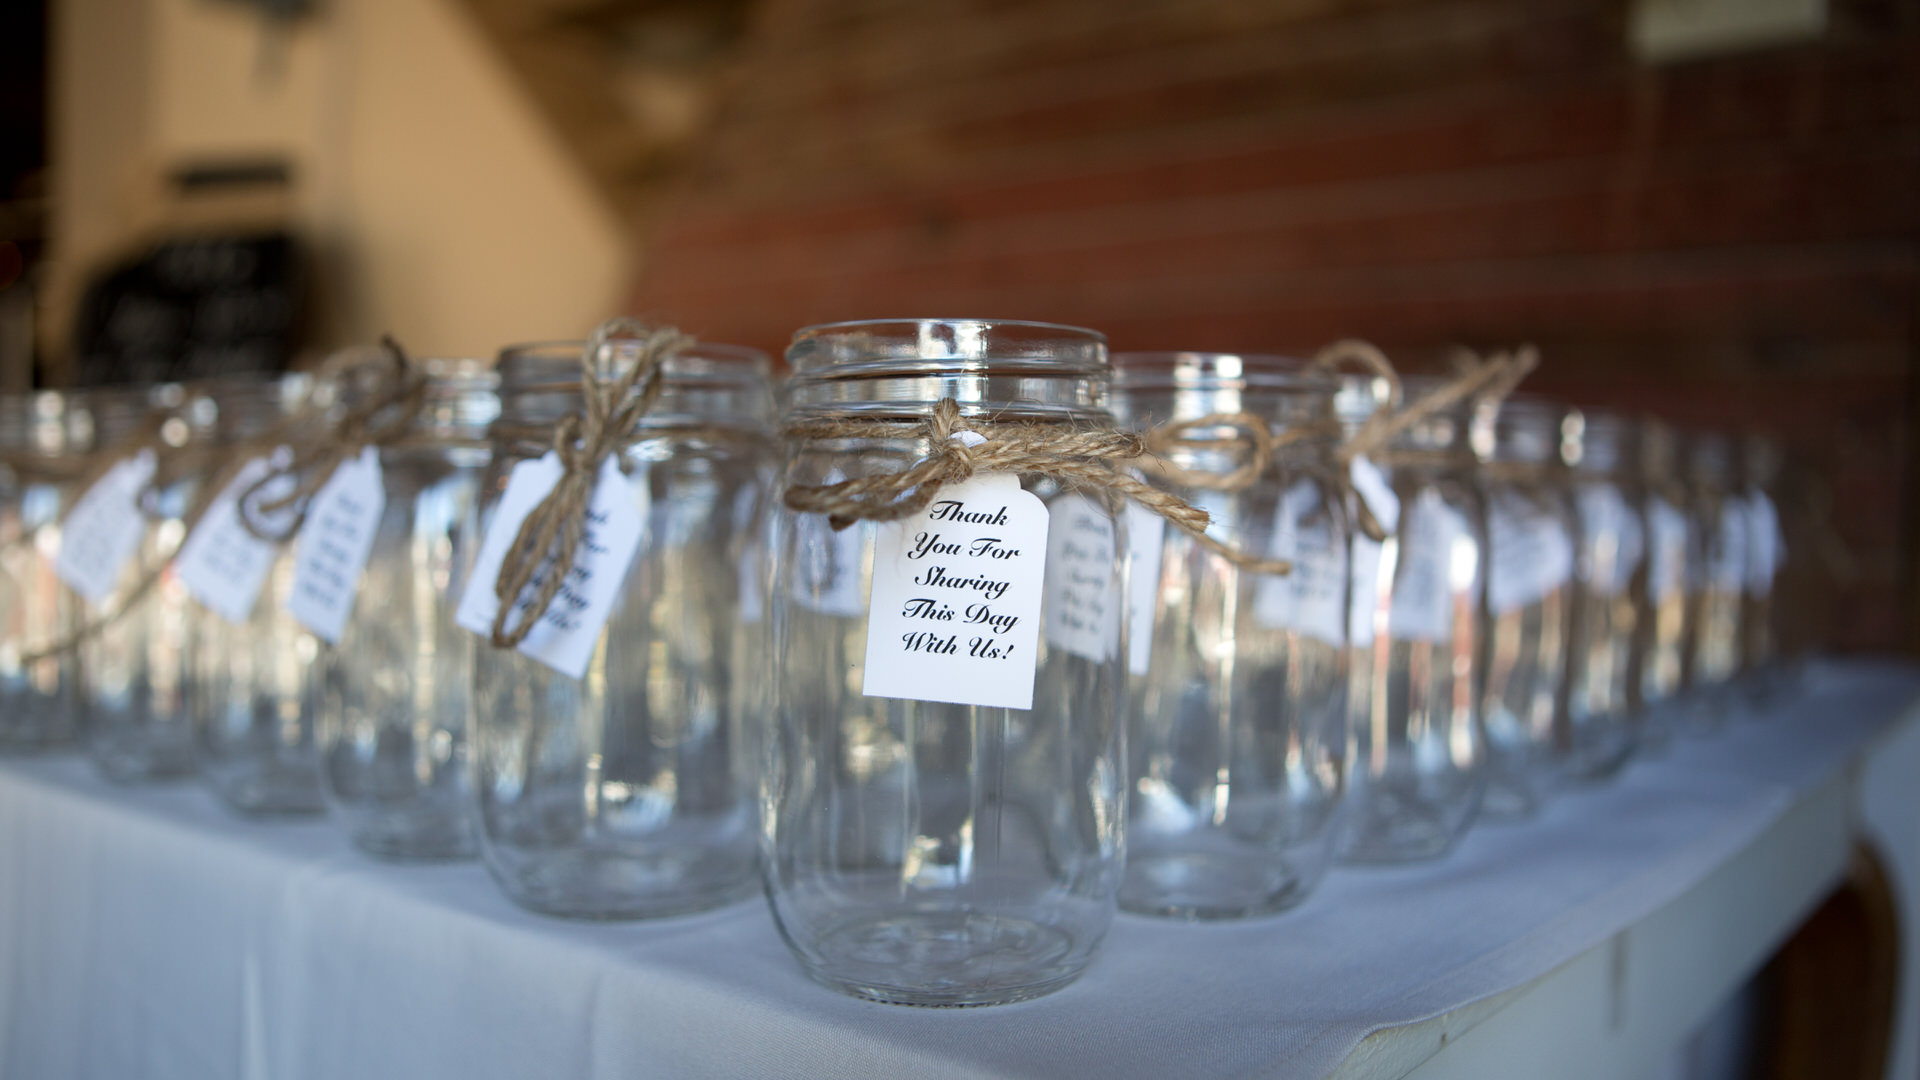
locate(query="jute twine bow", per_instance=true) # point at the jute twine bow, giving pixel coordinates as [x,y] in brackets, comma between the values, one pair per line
[1352,352]
[383,414]
[1081,457]
[178,458]
[78,474]
[145,584]
[1379,430]
[1253,442]
[613,408]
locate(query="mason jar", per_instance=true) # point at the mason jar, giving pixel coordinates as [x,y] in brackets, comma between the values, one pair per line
[1237,719]
[394,690]
[1419,766]
[44,441]
[1659,587]
[133,694]
[1716,577]
[1530,587]
[253,705]
[630,792]
[1611,545]
[1766,555]
[921,847]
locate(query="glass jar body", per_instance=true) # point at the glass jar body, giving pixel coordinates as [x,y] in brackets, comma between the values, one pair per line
[1760,663]
[1659,588]
[1419,769]
[39,700]
[253,703]
[1612,546]
[1714,597]
[923,852]
[134,685]
[1716,584]
[1236,735]
[1530,587]
[393,692]
[630,793]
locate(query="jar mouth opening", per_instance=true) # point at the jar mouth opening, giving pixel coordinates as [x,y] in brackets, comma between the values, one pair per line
[554,366]
[1137,371]
[477,370]
[872,347]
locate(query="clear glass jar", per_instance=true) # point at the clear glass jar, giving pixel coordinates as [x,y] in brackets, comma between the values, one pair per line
[44,438]
[253,704]
[1418,771]
[1530,586]
[1766,554]
[1611,545]
[1236,735]
[394,690]
[134,668]
[631,793]
[1716,577]
[1659,587]
[920,852]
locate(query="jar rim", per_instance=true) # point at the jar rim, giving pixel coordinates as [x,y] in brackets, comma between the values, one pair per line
[1063,329]
[881,347]
[548,365]
[1200,370]
[450,368]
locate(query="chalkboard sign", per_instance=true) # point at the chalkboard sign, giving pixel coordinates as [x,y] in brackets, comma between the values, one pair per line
[193,307]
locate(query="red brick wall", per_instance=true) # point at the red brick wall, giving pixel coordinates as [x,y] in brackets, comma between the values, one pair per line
[1734,241]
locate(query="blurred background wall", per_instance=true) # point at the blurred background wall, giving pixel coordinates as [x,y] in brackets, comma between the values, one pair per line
[1709,209]
[436,202]
[1717,225]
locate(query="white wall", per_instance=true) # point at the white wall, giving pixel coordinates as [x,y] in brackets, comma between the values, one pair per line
[442,208]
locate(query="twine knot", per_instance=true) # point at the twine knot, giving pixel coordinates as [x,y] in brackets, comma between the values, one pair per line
[1079,457]
[394,395]
[613,405]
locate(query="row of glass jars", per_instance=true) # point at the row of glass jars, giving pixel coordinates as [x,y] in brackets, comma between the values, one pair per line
[1491,600]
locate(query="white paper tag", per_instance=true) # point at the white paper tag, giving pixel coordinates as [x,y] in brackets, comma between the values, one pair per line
[1372,488]
[1766,547]
[105,529]
[1667,548]
[330,554]
[1364,599]
[569,630]
[956,594]
[826,572]
[1421,608]
[1727,557]
[1611,539]
[1146,543]
[1312,599]
[1082,613]
[223,565]
[1529,553]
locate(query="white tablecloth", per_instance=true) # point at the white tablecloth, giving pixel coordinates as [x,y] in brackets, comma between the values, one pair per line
[148,933]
